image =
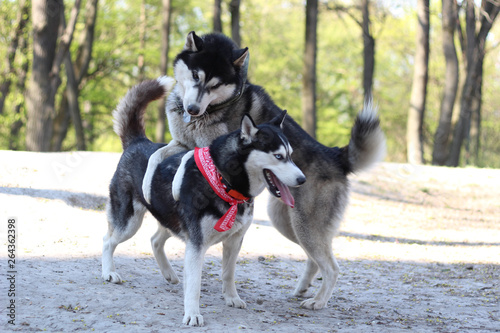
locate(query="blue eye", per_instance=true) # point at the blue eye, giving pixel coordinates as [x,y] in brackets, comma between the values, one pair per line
[278,156]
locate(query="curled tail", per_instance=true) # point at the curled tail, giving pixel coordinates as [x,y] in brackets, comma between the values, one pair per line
[367,143]
[128,117]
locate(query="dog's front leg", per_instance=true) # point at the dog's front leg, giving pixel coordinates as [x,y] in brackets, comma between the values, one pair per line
[193,264]
[231,249]
[158,156]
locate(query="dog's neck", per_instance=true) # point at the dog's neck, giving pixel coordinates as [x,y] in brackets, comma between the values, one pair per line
[239,92]
[230,163]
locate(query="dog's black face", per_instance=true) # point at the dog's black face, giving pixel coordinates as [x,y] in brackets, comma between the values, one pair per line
[210,71]
[258,156]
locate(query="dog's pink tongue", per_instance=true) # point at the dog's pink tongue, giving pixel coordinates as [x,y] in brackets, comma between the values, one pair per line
[286,196]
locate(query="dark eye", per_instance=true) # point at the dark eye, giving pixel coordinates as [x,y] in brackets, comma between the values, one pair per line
[215,86]
[278,156]
[195,76]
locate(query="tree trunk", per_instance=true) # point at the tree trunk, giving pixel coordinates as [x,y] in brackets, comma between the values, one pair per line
[165,46]
[414,134]
[15,35]
[474,142]
[470,101]
[45,80]
[442,135]
[64,44]
[234,7]
[80,68]
[368,51]
[88,124]
[309,70]
[73,106]
[86,43]
[217,16]
[83,58]
[40,100]
[61,123]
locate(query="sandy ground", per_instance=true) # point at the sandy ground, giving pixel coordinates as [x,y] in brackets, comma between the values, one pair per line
[419,251]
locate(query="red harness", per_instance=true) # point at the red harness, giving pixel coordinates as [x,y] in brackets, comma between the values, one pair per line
[207,168]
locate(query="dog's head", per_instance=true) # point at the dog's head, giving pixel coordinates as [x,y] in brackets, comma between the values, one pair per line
[210,71]
[269,158]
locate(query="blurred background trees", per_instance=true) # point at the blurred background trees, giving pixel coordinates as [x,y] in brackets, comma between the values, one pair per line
[57,90]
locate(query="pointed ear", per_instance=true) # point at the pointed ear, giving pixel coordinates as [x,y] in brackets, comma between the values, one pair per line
[279,119]
[248,129]
[193,42]
[240,56]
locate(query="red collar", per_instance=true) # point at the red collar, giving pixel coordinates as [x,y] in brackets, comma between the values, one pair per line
[207,168]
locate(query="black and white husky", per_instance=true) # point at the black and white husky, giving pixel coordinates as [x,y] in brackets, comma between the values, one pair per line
[212,94]
[203,196]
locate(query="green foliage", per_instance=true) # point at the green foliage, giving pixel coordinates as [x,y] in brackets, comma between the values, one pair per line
[15,99]
[275,56]
[274,32]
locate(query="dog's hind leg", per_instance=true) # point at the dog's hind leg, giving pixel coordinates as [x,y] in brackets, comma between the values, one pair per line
[324,259]
[307,277]
[230,250]
[120,228]
[158,243]
[281,220]
[317,243]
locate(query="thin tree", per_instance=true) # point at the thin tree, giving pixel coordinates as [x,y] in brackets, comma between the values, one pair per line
[15,36]
[309,70]
[84,56]
[234,8]
[165,46]
[368,39]
[414,133]
[71,111]
[86,42]
[470,101]
[73,106]
[442,136]
[368,51]
[217,21]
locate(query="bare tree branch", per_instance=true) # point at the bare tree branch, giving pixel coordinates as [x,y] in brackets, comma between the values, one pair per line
[347,10]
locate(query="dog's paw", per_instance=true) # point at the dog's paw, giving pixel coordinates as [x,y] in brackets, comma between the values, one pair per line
[112,277]
[235,302]
[299,292]
[171,278]
[313,304]
[194,319]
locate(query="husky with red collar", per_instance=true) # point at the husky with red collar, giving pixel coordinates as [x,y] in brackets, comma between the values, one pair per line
[212,94]
[204,196]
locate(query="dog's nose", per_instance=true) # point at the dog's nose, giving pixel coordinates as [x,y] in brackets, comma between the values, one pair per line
[193,109]
[301,180]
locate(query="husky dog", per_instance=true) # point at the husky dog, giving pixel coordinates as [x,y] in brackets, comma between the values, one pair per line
[209,99]
[203,196]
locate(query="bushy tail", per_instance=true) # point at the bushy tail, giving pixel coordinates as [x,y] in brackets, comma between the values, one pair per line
[128,117]
[367,143]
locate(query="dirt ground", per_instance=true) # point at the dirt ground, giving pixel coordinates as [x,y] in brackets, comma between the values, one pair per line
[419,251]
